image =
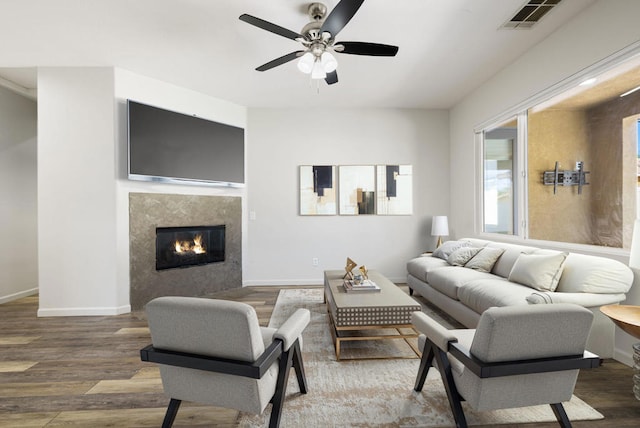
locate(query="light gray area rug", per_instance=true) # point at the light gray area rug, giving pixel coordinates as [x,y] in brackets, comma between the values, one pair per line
[375,393]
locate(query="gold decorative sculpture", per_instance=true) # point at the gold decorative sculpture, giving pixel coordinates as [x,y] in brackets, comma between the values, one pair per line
[364,271]
[348,268]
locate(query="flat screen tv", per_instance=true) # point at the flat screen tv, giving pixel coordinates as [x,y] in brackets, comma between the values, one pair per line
[173,147]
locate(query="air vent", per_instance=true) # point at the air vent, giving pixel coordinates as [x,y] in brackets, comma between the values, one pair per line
[530,14]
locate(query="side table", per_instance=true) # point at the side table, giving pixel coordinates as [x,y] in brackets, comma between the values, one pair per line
[627,317]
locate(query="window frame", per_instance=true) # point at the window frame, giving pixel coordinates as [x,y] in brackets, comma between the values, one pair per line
[520,111]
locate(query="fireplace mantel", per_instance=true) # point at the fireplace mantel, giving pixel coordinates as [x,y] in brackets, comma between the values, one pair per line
[147,211]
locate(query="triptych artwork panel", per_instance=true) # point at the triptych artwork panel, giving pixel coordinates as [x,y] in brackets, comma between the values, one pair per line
[358,190]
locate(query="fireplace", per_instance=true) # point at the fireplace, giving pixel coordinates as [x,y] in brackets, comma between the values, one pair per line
[181,247]
[148,212]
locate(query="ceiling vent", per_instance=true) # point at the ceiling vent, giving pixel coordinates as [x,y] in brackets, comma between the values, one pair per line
[530,14]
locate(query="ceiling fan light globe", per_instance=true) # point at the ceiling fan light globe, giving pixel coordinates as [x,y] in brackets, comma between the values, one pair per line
[306,63]
[329,62]
[318,71]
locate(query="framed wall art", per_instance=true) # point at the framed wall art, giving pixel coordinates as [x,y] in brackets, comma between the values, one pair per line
[357,184]
[317,190]
[394,189]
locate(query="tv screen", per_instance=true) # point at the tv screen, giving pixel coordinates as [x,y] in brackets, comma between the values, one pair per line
[173,147]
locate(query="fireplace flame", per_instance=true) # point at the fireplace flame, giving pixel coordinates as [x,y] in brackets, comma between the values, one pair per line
[194,246]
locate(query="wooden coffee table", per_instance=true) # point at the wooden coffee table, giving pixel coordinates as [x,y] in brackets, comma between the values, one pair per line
[351,315]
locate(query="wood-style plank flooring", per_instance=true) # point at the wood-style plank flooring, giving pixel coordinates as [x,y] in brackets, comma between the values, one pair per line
[86,372]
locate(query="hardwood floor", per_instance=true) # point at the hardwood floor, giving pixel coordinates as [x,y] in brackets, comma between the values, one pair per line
[86,371]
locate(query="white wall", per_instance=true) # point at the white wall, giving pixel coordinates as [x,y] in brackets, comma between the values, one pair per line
[76,192]
[83,205]
[18,195]
[601,30]
[282,243]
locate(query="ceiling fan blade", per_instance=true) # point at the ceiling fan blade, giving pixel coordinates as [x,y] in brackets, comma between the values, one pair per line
[279,61]
[340,16]
[332,77]
[364,48]
[266,25]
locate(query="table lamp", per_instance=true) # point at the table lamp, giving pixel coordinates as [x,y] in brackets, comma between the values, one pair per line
[439,227]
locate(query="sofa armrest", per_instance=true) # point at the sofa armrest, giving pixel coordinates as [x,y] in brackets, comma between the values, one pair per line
[587,300]
[440,336]
[293,327]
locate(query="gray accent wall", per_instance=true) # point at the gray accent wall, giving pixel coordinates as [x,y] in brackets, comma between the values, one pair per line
[150,210]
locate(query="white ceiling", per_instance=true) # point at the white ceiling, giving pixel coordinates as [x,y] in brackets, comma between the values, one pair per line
[447,47]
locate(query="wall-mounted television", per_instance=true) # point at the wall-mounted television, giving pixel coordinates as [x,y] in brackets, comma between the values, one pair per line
[172,147]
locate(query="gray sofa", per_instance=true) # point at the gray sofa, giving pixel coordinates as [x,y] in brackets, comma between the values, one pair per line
[465,277]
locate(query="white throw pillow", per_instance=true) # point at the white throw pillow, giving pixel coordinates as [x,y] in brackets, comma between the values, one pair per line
[461,256]
[444,250]
[485,259]
[592,274]
[541,272]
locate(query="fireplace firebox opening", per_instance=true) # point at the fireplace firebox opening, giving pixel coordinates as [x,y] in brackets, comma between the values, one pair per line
[180,247]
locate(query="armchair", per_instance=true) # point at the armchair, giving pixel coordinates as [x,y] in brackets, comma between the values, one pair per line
[215,352]
[518,356]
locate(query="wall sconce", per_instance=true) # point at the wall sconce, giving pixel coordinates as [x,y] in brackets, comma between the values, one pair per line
[439,227]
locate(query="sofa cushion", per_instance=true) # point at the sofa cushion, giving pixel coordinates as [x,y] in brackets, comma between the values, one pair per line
[485,259]
[421,266]
[461,256]
[447,281]
[592,274]
[539,271]
[444,250]
[482,294]
[476,242]
[511,252]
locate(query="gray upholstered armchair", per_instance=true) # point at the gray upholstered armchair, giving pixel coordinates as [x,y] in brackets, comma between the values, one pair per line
[517,356]
[215,352]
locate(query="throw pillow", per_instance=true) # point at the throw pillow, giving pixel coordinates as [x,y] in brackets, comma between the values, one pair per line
[444,250]
[461,256]
[485,259]
[541,272]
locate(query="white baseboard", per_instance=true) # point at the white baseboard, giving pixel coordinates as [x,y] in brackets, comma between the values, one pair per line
[283,282]
[78,312]
[623,356]
[290,282]
[20,295]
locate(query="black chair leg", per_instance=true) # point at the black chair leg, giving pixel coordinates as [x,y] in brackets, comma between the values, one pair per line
[426,362]
[561,415]
[172,410]
[286,361]
[449,385]
[298,365]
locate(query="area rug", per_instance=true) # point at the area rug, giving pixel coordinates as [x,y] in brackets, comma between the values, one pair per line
[375,393]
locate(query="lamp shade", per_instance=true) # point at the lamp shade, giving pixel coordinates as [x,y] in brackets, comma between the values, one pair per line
[317,72]
[305,63]
[439,226]
[329,62]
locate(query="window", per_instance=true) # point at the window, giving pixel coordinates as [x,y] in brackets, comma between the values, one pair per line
[498,174]
[593,127]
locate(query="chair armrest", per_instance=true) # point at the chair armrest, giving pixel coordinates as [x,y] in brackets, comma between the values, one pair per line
[509,368]
[293,327]
[253,370]
[440,336]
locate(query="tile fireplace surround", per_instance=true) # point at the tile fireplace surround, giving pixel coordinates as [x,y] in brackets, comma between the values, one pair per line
[150,210]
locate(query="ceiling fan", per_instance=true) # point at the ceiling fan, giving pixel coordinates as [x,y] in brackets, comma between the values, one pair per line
[318,40]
